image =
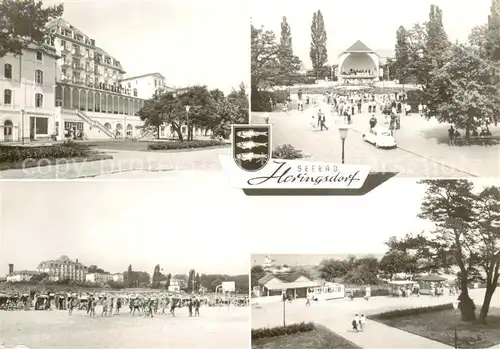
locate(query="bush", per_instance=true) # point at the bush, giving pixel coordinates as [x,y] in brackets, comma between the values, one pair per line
[60,151]
[414,311]
[287,152]
[171,145]
[282,330]
[261,100]
[373,293]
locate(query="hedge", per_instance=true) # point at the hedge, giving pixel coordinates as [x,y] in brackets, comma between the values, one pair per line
[282,330]
[373,293]
[172,145]
[9,154]
[287,152]
[413,311]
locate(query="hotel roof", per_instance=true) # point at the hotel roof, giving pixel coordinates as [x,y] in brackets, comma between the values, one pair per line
[141,76]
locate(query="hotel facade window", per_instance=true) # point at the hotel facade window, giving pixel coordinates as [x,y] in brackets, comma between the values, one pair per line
[7,96]
[38,77]
[7,71]
[39,56]
[38,100]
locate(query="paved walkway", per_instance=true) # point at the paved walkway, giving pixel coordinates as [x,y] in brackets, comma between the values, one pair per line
[126,164]
[337,316]
[419,154]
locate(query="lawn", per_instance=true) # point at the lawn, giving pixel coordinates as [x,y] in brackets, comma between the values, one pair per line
[321,338]
[440,326]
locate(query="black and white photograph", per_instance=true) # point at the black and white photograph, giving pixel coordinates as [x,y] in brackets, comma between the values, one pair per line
[419,269]
[411,88]
[120,89]
[125,264]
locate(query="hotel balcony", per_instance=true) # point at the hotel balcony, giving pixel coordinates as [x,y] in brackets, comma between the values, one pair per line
[78,66]
[65,64]
[79,81]
[77,53]
[65,50]
[97,72]
[65,78]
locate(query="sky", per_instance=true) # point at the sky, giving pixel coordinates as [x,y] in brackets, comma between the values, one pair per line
[190,42]
[373,22]
[193,219]
[301,259]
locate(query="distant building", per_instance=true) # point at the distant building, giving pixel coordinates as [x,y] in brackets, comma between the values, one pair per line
[146,85]
[63,268]
[98,278]
[118,277]
[296,285]
[23,275]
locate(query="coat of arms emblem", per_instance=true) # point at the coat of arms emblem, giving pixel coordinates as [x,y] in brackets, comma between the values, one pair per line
[251,146]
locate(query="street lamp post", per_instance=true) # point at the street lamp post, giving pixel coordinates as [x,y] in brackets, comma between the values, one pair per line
[187,120]
[455,307]
[22,126]
[343,135]
[284,301]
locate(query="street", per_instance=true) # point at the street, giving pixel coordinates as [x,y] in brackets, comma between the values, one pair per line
[420,153]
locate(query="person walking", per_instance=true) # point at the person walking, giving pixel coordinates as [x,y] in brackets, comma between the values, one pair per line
[355,323]
[373,122]
[451,136]
[320,117]
[323,124]
[362,322]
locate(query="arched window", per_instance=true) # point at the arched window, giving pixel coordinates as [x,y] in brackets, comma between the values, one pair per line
[7,71]
[7,128]
[38,77]
[38,100]
[7,96]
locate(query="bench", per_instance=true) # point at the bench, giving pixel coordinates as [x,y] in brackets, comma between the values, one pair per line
[482,140]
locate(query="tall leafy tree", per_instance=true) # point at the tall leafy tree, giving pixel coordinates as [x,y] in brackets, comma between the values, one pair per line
[288,63]
[197,282]
[493,35]
[130,279]
[23,23]
[402,55]
[264,55]
[167,281]
[465,94]
[318,52]
[449,204]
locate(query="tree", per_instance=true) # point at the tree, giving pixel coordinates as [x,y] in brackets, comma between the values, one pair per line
[129,277]
[402,55]
[493,32]
[264,54]
[288,63]
[169,109]
[487,211]
[465,94]
[197,282]
[256,273]
[191,280]
[318,51]
[156,277]
[449,205]
[23,23]
[331,269]
[167,281]
[233,109]
[95,269]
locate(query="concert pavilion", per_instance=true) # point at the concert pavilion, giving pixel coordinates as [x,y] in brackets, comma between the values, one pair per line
[358,65]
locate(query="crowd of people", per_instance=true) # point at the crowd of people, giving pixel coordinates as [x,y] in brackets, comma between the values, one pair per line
[358,72]
[110,303]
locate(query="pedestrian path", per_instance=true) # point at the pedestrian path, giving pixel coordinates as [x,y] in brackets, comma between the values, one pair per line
[380,336]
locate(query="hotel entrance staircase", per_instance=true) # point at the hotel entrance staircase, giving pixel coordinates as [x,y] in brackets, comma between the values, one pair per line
[94,123]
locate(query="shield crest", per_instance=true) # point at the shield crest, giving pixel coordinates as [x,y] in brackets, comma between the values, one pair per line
[251,146]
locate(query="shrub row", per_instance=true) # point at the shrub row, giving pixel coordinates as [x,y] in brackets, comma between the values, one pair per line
[413,311]
[282,330]
[172,145]
[373,293]
[60,151]
[287,152]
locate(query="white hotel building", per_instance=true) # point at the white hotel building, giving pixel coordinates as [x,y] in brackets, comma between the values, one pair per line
[70,84]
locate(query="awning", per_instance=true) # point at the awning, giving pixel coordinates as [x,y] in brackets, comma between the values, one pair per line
[293,285]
